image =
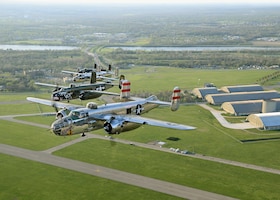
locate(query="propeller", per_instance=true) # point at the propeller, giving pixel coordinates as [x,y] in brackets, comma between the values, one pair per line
[58,114]
[55,107]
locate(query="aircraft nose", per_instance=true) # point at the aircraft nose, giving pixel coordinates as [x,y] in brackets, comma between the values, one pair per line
[56,128]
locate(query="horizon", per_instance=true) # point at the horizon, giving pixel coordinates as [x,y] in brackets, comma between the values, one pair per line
[142,2]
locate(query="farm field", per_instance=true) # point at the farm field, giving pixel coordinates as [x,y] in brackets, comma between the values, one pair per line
[210,138]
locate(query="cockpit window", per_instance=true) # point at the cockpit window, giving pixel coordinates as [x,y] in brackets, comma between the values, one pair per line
[78,115]
[74,114]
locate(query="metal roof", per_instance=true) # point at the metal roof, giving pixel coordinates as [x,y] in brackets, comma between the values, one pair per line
[242,88]
[218,99]
[267,121]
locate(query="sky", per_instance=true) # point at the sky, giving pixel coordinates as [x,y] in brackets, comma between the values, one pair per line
[80,2]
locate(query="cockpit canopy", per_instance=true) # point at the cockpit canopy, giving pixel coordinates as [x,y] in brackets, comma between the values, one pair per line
[78,114]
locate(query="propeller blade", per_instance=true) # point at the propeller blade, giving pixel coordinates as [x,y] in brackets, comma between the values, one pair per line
[55,107]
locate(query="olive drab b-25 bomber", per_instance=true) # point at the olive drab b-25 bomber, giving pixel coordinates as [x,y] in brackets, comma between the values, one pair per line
[86,74]
[91,90]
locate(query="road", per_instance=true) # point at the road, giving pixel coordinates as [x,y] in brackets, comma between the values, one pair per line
[224,122]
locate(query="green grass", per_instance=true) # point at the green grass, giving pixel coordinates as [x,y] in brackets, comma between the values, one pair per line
[12,96]
[215,177]
[23,108]
[210,138]
[29,137]
[23,179]
[154,79]
[41,119]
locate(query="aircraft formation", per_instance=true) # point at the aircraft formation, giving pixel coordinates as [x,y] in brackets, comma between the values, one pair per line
[114,118]
[84,91]
[86,74]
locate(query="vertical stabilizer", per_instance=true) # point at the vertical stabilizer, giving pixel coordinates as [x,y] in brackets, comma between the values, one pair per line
[125,89]
[93,77]
[175,101]
[122,78]
[116,72]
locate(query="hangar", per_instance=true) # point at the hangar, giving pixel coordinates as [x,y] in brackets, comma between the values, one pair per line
[202,92]
[266,121]
[218,99]
[239,108]
[242,88]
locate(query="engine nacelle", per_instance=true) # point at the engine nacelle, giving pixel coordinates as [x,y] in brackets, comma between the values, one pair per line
[116,127]
[91,105]
[113,127]
[61,113]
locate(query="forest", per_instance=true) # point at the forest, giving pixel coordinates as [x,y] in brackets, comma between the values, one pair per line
[95,28]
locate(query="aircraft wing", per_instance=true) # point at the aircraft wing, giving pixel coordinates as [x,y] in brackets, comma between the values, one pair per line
[104,92]
[69,72]
[143,120]
[154,122]
[49,85]
[153,100]
[106,78]
[53,103]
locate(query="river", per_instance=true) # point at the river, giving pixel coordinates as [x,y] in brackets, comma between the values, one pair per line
[37,48]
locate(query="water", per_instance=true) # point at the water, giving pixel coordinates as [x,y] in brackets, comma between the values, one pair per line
[36,48]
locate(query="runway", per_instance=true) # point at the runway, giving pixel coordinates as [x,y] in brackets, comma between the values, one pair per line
[112,174]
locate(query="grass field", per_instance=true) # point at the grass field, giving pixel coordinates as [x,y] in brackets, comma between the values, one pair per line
[210,176]
[210,138]
[23,179]
[29,137]
[155,79]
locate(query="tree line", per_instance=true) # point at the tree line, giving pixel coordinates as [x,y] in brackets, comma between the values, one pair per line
[193,59]
[20,69]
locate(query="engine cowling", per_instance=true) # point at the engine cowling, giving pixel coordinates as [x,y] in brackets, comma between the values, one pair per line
[61,113]
[116,126]
[91,105]
[113,127]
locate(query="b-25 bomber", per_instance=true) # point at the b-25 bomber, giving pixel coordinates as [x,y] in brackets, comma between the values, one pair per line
[101,74]
[84,91]
[114,118]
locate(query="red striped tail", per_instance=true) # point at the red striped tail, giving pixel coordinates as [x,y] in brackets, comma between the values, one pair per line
[125,89]
[175,101]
